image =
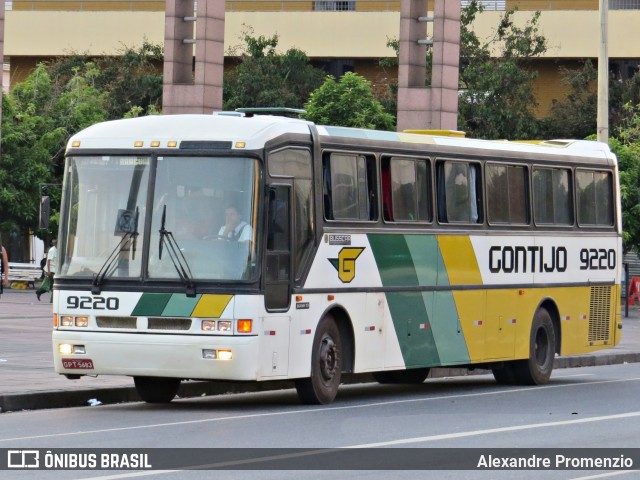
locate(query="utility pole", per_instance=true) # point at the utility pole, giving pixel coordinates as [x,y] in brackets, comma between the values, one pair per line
[603,75]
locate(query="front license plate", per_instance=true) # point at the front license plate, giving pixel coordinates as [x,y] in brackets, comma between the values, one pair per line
[77,363]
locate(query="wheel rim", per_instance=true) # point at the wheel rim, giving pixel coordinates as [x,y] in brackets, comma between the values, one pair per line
[328,358]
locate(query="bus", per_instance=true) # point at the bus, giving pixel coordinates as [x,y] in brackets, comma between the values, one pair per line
[362,251]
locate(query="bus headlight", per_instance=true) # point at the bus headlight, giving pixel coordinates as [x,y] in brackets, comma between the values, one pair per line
[217,326]
[209,325]
[68,349]
[82,321]
[224,325]
[211,354]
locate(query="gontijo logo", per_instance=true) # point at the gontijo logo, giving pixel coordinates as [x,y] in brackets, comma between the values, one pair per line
[345,264]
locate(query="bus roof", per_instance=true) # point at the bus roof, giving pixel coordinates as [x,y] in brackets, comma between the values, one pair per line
[257,130]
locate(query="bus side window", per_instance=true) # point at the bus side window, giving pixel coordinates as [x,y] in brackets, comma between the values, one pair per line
[594,193]
[406,189]
[552,194]
[349,187]
[459,195]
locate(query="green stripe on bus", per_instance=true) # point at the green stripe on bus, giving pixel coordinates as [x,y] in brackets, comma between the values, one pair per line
[426,323]
[394,260]
[151,304]
[408,309]
[180,305]
[410,319]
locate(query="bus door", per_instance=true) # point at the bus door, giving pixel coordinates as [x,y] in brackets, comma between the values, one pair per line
[274,350]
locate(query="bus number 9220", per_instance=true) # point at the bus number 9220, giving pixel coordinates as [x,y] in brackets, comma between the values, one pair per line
[597,259]
[93,303]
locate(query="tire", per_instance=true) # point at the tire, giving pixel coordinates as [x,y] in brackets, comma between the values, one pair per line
[156,389]
[413,376]
[326,365]
[537,369]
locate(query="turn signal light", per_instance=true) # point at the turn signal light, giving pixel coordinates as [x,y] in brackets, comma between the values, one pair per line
[245,325]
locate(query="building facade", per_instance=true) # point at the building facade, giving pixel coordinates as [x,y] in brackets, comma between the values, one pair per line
[341,36]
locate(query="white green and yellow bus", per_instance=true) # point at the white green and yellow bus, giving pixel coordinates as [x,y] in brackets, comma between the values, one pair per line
[363,252]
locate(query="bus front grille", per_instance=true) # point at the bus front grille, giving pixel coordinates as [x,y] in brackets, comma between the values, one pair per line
[599,311]
[168,323]
[116,322]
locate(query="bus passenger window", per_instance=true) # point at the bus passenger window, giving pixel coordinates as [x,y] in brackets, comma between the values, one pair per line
[594,191]
[552,196]
[459,196]
[349,187]
[407,191]
[507,194]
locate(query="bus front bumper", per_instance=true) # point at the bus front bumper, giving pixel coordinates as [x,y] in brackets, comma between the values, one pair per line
[186,356]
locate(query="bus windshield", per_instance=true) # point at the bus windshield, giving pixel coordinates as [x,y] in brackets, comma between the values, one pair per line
[202,215]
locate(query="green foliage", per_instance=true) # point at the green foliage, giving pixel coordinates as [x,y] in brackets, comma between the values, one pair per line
[132,78]
[348,102]
[37,120]
[575,116]
[55,101]
[497,99]
[625,144]
[264,78]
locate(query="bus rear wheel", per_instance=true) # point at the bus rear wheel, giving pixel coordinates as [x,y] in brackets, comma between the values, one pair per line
[536,370]
[326,365]
[413,376]
[156,389]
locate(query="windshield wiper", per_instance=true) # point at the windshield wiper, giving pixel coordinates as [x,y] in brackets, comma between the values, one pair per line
[128,225]
[175,254]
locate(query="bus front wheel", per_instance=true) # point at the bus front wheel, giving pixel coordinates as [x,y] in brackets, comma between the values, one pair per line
[536,370]
[156,389]
[326,365]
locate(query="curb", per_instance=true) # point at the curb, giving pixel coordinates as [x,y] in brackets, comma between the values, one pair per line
[190,389]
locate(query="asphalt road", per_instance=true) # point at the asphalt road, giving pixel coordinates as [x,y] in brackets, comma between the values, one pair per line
[580,408]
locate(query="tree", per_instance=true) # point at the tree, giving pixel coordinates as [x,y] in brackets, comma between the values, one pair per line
[37,121]
[58,99]
[133,78]
[574,116]
[626,145]
[264,78]
[348,102]
[497,99]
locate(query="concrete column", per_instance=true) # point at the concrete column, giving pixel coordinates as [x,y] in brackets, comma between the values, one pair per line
[193,84]
[434,107]
[446,60]
[413,98]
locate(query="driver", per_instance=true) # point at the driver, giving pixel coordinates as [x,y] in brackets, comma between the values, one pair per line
[235,228]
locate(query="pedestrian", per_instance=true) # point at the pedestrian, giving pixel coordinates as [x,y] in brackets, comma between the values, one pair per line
[4,268]
[47,283]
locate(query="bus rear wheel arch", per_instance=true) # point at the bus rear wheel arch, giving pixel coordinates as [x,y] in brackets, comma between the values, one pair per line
[156,389]
[535,370]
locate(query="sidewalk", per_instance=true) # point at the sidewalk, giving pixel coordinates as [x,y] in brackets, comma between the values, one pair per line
[28,380]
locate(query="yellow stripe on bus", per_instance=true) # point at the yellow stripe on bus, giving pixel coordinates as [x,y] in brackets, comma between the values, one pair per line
[211,305]
[460,260]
